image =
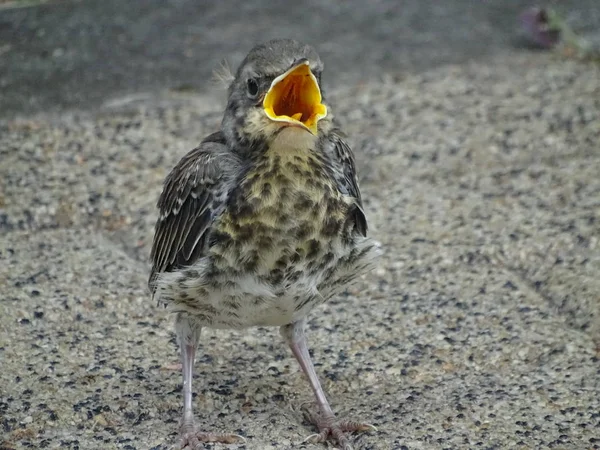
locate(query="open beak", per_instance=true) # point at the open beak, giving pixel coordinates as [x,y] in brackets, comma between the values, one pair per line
[295,98]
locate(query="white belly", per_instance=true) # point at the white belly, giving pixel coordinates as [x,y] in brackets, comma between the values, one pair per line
[247,301]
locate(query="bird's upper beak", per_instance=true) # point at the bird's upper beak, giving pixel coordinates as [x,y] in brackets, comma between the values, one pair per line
[295,97]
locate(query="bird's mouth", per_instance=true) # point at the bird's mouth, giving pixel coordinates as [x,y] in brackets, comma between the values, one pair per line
[295,98]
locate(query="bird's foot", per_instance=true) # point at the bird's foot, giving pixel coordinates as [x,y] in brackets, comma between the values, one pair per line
[333,430]
[194,440]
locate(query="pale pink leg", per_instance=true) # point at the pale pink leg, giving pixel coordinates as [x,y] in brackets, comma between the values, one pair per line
[188,335]
[330,429]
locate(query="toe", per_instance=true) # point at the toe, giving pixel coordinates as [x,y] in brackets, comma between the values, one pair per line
[338,436]
[316,438]
[195,440]
[231,439]
[351,427]
[188,442]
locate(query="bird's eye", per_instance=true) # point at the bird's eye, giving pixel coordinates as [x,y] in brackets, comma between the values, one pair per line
[252,86]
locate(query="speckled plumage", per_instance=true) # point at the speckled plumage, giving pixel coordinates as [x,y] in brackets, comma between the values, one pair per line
[263,221]
[280,234]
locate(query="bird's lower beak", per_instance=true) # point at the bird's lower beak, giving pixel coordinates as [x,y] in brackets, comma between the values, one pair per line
[295,98]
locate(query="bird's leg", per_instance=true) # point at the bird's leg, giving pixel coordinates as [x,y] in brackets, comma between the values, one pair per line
[188,335]
[188,357]
[330,429]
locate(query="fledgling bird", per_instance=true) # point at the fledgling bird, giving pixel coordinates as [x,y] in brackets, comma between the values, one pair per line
[262,222]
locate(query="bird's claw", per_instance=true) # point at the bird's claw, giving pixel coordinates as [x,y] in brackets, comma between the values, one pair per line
[194,440]
[333,430]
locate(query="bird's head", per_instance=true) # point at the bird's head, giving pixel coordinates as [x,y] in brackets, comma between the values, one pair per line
[276,87]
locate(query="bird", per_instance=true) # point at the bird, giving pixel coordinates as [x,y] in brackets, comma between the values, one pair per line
[262,222]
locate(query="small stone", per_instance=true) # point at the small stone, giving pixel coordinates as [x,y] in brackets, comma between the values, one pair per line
[99,419]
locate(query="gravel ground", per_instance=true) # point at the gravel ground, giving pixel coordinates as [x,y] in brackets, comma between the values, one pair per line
[479,329]
[66,54]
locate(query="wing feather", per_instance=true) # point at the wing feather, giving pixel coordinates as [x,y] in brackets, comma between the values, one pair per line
[194,194]
[345,172]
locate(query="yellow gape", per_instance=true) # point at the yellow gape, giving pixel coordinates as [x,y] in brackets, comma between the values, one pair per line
[295,97]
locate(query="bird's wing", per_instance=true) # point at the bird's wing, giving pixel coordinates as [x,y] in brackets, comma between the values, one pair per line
[194,193]
[341,155]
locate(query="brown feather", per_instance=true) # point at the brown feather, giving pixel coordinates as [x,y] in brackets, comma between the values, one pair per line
[186,204]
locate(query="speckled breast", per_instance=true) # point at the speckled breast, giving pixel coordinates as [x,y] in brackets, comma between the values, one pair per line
[286,216]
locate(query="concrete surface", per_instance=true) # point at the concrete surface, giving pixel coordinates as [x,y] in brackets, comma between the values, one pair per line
[66,54]
[479,329]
